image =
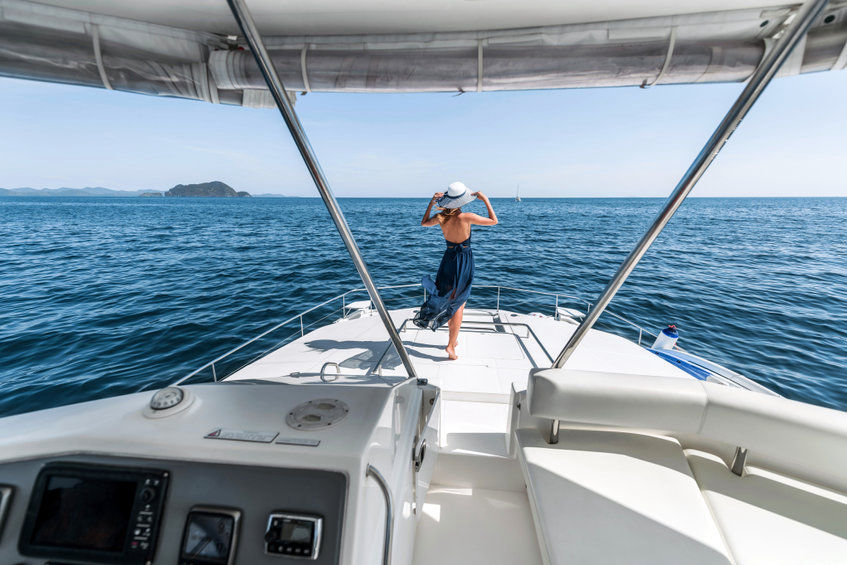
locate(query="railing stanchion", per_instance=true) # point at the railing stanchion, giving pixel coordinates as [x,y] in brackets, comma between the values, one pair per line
[301,324]
[498,298]
[762,76]
[556,308]
[639,335]
[214,375]
[286,109]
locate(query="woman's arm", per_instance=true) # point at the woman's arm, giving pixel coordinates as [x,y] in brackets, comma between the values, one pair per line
[434,220]
[478,220]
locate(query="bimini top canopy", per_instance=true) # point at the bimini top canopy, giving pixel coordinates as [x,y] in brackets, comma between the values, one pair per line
[192,49]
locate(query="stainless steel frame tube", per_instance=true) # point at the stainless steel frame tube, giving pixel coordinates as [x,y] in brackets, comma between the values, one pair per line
[761,77]
[254,40]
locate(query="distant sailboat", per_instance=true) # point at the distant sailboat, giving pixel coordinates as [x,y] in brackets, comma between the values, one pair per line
[518,194]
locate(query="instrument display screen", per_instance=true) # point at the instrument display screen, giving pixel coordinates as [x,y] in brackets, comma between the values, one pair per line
[293,535]
[84,513]
[301,531]
[208,538]
[93,513]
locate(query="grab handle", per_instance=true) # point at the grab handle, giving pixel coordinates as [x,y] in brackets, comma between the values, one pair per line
[326,378]
[389,512]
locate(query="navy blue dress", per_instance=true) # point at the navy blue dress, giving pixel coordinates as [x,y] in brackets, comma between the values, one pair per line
[452,286]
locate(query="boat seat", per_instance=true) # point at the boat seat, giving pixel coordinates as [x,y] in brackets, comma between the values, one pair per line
[614,497]
[764,517]
[789,437]
[768,518]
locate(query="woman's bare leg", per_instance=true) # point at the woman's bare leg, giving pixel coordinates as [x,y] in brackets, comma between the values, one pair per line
[454,325]
[457,319]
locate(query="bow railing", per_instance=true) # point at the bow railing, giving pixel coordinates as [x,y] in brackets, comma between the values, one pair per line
[555,304]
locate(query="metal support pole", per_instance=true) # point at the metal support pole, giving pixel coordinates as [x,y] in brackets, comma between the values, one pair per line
[498,298]
[770,64]
[263,60]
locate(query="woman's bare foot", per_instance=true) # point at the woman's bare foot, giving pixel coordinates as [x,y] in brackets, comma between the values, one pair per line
[451,352]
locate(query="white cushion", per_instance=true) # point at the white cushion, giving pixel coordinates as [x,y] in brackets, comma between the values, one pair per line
[611,497]
[787,436]
[770,519]
[791,437]
[641,402]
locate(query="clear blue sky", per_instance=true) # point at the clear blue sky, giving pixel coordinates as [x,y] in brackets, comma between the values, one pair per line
[595,142]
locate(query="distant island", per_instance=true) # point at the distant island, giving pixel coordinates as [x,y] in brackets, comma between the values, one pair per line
[87,191]
[213,189]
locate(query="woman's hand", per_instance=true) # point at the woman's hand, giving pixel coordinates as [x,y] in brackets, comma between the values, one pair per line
[437,195]
[491,220]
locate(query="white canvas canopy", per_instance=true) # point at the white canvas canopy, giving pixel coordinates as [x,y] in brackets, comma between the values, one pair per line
[191,49]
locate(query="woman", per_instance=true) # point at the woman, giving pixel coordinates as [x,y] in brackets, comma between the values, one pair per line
[452,285]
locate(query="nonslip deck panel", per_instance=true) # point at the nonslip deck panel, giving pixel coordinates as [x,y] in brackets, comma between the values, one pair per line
[611,497]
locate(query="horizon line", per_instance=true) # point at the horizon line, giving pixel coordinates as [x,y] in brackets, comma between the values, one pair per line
[276,196]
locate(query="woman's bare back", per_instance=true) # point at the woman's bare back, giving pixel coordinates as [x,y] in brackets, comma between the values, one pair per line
[457,226]
[456,229]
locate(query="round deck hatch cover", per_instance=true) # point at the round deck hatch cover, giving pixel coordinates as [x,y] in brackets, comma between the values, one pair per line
[317,414]
[166,398]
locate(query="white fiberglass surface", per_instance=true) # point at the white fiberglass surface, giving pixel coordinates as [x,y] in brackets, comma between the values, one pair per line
[468,526]
[491,357]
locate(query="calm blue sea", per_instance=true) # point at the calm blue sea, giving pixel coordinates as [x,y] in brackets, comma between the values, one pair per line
[105,296]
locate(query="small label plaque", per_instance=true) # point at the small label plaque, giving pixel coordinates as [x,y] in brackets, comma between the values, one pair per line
[306,442]
[242,435]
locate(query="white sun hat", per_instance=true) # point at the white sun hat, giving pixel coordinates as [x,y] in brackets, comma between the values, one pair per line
[457,195]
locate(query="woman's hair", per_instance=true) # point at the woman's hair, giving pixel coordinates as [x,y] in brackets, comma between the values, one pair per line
[449,213]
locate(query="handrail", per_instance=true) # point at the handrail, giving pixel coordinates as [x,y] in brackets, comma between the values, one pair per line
[544,292]
[343,297]
[260,336]
[485,323]
[516,324]
[640,329]
[389,512]
[633,324]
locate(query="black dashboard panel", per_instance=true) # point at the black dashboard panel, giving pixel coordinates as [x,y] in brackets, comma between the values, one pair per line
[205,491]
[95,513]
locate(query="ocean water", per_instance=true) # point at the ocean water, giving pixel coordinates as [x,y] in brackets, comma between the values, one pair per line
[106,296]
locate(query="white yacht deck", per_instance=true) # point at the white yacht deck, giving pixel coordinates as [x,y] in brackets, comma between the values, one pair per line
[496,350]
